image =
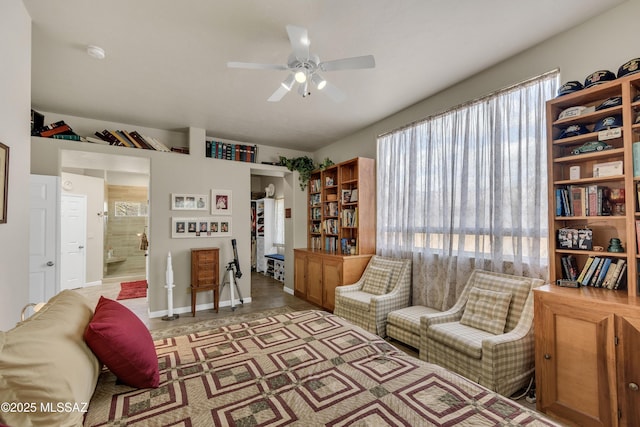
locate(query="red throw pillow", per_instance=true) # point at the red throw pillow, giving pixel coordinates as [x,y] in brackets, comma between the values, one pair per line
[123,343]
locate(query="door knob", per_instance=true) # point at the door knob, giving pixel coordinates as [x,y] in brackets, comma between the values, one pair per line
[80,247]
[50,264]
[633,386]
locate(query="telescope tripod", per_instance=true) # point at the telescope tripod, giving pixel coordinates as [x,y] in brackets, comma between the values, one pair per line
[230,280]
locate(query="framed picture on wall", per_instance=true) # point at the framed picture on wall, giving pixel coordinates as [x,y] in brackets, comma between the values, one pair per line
[189,202]
[4,181]
[221,202]
[200,227]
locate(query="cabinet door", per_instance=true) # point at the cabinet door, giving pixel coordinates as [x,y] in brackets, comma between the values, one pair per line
[299,275]
[331,278]
[314,279]
[628,329]
[575,362]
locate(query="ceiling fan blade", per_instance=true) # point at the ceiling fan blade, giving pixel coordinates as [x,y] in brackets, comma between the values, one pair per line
[256,66]
[333,92]
[357,62]
[278,94]
[299,39]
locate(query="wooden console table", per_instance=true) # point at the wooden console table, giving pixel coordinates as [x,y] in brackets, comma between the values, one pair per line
[205,274]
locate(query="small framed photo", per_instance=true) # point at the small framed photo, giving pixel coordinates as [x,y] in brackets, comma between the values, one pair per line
[221,202]
[4,181]
[189,202]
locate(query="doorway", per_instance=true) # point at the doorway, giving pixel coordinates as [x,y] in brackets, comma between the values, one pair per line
[117,194]
[73,241]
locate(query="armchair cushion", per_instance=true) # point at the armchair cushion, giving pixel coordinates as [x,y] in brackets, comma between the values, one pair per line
[486,310]
[519,289]
[461,338]
[376,281]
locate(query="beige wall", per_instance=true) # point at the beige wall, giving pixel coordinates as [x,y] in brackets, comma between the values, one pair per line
[605,42]
[194,174]
[15,107]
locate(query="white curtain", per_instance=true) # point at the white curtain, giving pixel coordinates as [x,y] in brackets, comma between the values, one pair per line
[468,189]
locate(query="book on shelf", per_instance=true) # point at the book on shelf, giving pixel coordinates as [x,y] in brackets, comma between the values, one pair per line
[353,197]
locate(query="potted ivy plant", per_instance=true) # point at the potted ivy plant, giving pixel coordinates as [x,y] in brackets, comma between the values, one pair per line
[305,166]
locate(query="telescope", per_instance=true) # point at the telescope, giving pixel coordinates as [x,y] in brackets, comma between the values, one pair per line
[233,272]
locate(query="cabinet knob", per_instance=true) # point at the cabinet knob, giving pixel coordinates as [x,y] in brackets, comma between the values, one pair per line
[633,386]
[547,356]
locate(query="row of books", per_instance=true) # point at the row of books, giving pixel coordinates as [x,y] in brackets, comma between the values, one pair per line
[316,213]
[598,271]
[330,226]
[131,139]
[315,185]
[349,217]
[228,151]
[331,209]
[349,246]
[590,200]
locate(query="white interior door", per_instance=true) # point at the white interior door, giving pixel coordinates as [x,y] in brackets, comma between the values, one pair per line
[73,238]
[43,247]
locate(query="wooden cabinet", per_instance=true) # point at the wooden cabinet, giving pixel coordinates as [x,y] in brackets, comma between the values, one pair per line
[342,210]
[317,274]
[587,343]
[205,274]
[587,339]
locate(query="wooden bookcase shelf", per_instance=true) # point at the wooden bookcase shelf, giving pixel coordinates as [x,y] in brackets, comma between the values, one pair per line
[586,338]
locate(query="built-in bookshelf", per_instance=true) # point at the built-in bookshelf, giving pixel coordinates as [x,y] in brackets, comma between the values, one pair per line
[586,320]
[338,195]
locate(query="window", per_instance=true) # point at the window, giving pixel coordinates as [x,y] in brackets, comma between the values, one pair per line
[468,189]
[130,209]
[278,239]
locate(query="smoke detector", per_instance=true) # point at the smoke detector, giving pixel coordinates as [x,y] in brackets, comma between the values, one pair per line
[95,52]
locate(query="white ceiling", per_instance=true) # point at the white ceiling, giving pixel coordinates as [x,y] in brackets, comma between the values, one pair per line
[166,59]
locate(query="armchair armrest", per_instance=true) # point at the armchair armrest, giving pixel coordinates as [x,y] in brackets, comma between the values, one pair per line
[345,289]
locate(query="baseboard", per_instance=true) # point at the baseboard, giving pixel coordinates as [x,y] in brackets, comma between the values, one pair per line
[199,307]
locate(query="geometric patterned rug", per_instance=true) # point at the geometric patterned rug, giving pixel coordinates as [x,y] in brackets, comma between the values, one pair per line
[205,325]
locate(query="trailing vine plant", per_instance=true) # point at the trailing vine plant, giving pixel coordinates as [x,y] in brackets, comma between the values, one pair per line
[305,166]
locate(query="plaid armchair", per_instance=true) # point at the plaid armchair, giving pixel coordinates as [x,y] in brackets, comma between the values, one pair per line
[384,286]
[487,336]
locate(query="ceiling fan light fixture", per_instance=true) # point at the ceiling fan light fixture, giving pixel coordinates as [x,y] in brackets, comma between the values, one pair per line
[288,82]
[301,76]
[318,81]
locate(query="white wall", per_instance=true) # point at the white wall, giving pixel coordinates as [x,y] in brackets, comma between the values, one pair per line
[15,113]
[604,42]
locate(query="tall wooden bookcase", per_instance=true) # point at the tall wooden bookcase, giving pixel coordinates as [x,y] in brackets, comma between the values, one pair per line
[341,230]
[587,338]
[341,217]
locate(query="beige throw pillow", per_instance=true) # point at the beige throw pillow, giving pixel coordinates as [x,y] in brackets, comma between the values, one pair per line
[486,310]
[377,281]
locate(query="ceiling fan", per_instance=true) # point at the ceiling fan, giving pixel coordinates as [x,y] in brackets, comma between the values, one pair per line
[305,68]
